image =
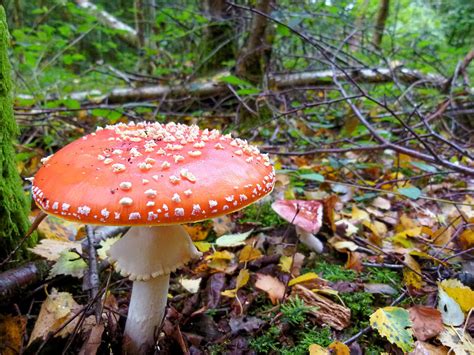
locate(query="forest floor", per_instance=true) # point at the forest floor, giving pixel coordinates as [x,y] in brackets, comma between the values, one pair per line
[393,273]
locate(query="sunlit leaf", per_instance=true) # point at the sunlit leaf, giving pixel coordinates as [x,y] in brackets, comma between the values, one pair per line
[394,324]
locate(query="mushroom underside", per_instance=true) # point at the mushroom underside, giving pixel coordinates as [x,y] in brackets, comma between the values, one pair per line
[147,255]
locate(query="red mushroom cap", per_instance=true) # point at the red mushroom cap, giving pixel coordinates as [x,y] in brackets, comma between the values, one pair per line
[151,174]
[307,215]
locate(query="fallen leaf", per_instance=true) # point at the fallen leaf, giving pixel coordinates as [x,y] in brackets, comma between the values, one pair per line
[466,239]
[248,324]
[51,249]
[315,349]
[60,229]
[463,295]
[12,330]
[190,285]
[105,246]
[359,215]
[94,339]
[233,240]
[393,323]
[422,348]
[274,288]
[381,203]
[460,342]
[451,311]
[242,279]
[223,225]
[412,275]
[248,253]
[338,348]
[58,309]
[285,263]
[197,231]
[203,246]
[69,263]
[383,289]
[303,278]
[427,322]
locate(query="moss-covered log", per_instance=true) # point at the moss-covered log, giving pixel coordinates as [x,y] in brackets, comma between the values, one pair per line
[13,202]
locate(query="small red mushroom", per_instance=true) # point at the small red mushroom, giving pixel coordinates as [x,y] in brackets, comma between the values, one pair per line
[306,216]
[154,177]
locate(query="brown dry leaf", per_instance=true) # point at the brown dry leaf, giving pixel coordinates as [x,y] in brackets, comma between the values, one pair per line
[248,253]
[460,342]
[427,322]
[51,249]
[422,348]
[223,225]
[328,211]
[381,203]
[354,261]
[325,311]
[412,278]
[58,309]
[274,288]
[338,348]
[12,329]
[94,339]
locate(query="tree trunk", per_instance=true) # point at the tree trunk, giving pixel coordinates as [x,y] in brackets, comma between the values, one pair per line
[219,43]
[145,15]
[255,55]
[13,201]
[382,15]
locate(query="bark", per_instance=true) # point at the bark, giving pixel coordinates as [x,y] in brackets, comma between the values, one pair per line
[213,87]
[219,43]
[13,202]
[127,33]
[144,23]
[382,15]
[254,57]
[14,282]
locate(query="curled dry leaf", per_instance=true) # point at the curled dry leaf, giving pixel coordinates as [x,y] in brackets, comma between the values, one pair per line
[274,288]
[325,311]
[427,322]
[460,342]
[422,348]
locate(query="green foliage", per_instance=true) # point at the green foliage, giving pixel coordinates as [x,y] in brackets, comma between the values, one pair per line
[320,336]
[263,214]
[13,202]
[266,342]
[294,311]
[334,272]
[361,306]
[382,276]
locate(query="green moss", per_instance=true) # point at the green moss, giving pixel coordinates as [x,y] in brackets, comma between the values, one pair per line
[334,272]
[263,214]
[382,276]
[266,342]
[13,201]
[361,306]
[320,336]
[294,311]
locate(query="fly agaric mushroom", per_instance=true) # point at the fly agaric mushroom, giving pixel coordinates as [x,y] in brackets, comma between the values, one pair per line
[152,177]
[306,216]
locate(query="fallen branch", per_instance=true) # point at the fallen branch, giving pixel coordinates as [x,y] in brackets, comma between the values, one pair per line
[214,86]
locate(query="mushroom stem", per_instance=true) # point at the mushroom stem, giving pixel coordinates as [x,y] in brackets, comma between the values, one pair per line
[309,240]
[145,314]
[147,255]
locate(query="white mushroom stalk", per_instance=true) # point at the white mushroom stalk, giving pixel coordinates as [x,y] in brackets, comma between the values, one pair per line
[310,240]
[147,255]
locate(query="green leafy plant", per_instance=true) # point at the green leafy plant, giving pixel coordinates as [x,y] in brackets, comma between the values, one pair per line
[334,272]
[294,311]
[320,336]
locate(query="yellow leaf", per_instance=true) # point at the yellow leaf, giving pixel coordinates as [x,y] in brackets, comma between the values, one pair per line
[345,245]
[303,278]
[202,246]
[359,215]
[379,229]
[248,253]
[315,349]
[12,329]
[51,249]
[466,239]
[240,282]
[223,255]
[197,231]
[394,324]
[338,348]
[411,277]
[463,295]
[285,263]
